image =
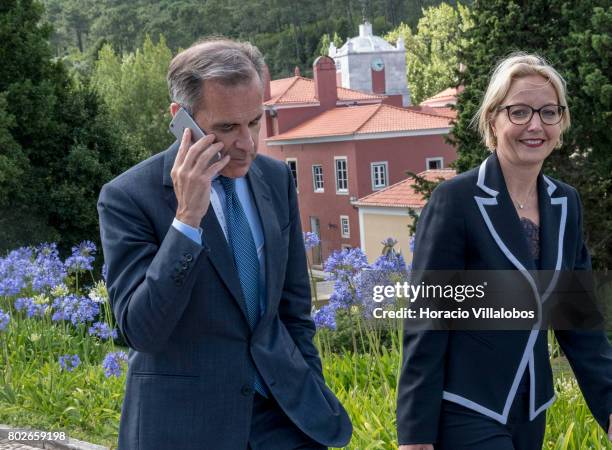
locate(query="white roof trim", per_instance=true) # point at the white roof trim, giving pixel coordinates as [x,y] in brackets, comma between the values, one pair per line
[359,102]
[289,105]
[385,210]
[359,137]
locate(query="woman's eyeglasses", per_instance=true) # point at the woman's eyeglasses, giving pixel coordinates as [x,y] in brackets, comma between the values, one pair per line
[522,114]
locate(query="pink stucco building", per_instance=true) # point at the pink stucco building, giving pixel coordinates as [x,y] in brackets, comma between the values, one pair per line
[343,144]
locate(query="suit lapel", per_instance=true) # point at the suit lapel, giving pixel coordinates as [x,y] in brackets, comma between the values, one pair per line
[271,230]
[218,251]
[553,218]
[505,227]
[552,225]
[501,217]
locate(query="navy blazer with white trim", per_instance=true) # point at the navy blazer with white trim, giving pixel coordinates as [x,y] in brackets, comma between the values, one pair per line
[470,223]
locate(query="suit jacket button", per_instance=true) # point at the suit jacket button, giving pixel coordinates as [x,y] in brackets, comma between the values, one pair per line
[188,257]
[246,390]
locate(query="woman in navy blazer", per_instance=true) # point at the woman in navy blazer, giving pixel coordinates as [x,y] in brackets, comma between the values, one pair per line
[489,390]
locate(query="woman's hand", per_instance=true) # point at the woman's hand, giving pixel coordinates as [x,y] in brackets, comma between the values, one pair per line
[418,446]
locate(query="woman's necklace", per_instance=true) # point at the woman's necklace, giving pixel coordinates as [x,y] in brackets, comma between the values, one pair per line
[522,204]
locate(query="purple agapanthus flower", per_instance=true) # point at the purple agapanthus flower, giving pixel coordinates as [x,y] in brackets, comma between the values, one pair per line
[64,307]
[112,363]
[344,264]
[15,271]
[311,240]
[370,284]
[325,317]
[74,308]
[391,262]
[103,331]
[31,308]
[35,310]
[82,257]
[342,296]
[47,269]
[4,320]
[87,310]
[69,362]
[22,303]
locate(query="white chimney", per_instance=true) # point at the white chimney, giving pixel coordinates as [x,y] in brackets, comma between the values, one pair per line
[332,50]
[365,29]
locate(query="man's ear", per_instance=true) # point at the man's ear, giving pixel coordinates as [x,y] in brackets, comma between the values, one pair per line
[174,107]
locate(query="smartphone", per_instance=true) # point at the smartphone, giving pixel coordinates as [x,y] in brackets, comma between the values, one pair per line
[181,120]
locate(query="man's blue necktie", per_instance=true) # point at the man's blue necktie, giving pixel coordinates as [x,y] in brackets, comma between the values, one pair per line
[245,257]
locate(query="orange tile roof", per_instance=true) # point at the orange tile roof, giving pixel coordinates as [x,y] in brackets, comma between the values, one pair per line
[436,111]
[448,92]
[366,119]
[402,194]
[302,90]
[448,95]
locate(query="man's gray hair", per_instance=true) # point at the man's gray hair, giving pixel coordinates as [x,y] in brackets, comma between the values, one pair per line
[220,59]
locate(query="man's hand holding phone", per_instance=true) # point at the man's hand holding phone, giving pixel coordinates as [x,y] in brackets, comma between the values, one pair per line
[192,176]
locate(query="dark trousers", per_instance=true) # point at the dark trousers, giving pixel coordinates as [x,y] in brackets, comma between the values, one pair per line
[464,429]
[271,429]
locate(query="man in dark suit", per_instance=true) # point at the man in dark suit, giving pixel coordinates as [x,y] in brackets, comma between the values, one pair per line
[208,282]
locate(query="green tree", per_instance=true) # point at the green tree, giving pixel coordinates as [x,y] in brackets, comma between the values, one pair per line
[432,54]
[325,42]
[323,48]
[77,18]
[287,33]
[134,89]
[424,187]
[575,38]
[57,147]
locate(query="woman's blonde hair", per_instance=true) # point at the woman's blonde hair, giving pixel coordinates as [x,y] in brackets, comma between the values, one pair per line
[514,66]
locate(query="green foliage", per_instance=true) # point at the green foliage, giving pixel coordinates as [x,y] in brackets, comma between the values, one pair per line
[574,38]
[134,89]
[432,54]
[58,146]
[34,389]
[325,42]
[287,33]
[84,403]
[341,339]
[425,188]
[370,401]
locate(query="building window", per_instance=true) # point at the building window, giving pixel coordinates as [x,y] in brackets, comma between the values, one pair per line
[345,229]
[341,175]
[292,163]
[434,163]
[317,178]
[379,175]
